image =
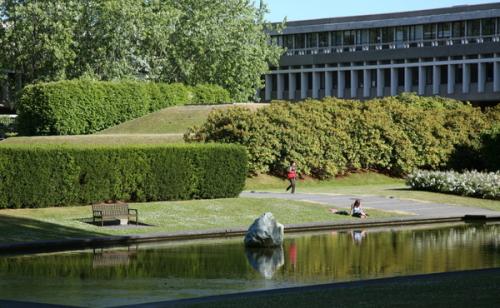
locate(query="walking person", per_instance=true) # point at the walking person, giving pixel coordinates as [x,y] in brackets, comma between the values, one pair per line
[292,177]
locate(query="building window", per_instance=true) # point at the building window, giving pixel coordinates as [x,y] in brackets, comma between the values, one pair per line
[349,37]
[387,35]
[337,38]
[416,33]
[375,37]
[429,32]
[288,41]
[300,41]
[401,34]
[459,29]
[488,26]
[312,40]
[474,28]
[323,39]
[444,30]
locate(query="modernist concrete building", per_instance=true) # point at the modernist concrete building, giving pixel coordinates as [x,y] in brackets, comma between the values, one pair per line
[453,52]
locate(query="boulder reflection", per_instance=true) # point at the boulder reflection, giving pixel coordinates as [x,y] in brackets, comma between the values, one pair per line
[265,260]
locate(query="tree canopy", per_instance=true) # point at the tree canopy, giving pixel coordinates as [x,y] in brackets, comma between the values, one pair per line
[224,42]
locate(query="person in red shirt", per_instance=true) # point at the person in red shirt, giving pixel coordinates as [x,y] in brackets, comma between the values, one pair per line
[292,177]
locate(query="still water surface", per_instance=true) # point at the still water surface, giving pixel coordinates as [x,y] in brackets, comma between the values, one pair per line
[138,274]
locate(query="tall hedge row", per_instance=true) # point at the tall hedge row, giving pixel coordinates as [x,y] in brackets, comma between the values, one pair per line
[84,106]
[42,176]
[330,137]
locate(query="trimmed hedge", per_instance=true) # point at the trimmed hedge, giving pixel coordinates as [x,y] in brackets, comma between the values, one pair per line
[43,176]
[206,94]
[330,137]
[84,106]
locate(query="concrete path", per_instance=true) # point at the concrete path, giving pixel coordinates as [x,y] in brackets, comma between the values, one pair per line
[413,207]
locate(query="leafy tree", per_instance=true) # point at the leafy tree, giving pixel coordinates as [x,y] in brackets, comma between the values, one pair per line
[37,37]
[224,42]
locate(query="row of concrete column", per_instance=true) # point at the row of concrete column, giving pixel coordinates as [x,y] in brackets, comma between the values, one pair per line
[381,82]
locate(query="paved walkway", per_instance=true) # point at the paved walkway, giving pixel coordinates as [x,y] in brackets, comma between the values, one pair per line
[414,207]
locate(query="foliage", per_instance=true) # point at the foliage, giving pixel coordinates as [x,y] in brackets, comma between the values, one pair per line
[86,106]
[469,183]
[7,126]
[480,155]
[221,42]
[42,176]
[332,137]
[205,94]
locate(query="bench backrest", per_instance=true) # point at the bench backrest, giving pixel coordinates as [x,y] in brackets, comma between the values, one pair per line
[111,209]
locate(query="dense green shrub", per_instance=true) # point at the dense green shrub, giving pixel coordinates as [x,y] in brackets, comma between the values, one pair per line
[490,149]
[331,137]
[210,94]
[469,183]
[86,106]
[42,176]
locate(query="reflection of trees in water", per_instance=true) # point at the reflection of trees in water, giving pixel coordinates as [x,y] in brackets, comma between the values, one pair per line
[327,257]
[265,260]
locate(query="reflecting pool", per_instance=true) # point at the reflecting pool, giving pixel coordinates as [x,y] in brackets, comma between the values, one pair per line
[163,271]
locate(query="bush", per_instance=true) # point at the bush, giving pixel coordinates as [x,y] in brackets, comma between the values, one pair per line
[7,126]
[86,106]
[332,136]
[473,183]
[206,94]
[42,176]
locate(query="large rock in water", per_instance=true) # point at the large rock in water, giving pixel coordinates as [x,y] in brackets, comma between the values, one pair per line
[265,232]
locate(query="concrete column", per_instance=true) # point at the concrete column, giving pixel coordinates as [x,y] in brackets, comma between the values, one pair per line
[408,79]
[341,84]
[367,83]
[394,81]
[269,87]
[328,83]
[496,76]
[436,79]
[303,85]
[354,83]
[421,80]
[292,85]
[380,82]
[281,86]
[451,78]
[481,77]
[316,81]
[466,78]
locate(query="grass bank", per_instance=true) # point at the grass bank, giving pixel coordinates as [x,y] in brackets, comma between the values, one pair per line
[22,225]
[173,120]
[367,184]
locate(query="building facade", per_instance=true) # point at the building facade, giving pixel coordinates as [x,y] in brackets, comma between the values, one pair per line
[452,52]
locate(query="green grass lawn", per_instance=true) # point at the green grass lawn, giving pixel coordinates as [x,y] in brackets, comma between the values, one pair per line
[119,139]
[18,225]
[368,184]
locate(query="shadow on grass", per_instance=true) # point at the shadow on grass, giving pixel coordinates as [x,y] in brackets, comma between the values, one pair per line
[18,229]
[113,223]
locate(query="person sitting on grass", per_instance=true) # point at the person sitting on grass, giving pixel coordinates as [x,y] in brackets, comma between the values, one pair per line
[357,210]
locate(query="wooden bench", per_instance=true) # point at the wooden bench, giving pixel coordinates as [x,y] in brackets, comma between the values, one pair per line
[105,211]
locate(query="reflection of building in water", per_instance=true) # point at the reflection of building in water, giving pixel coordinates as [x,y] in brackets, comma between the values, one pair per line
[113,257]
[265,260]
[358,236]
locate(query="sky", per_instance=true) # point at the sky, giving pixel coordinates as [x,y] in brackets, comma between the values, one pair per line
[312,9]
